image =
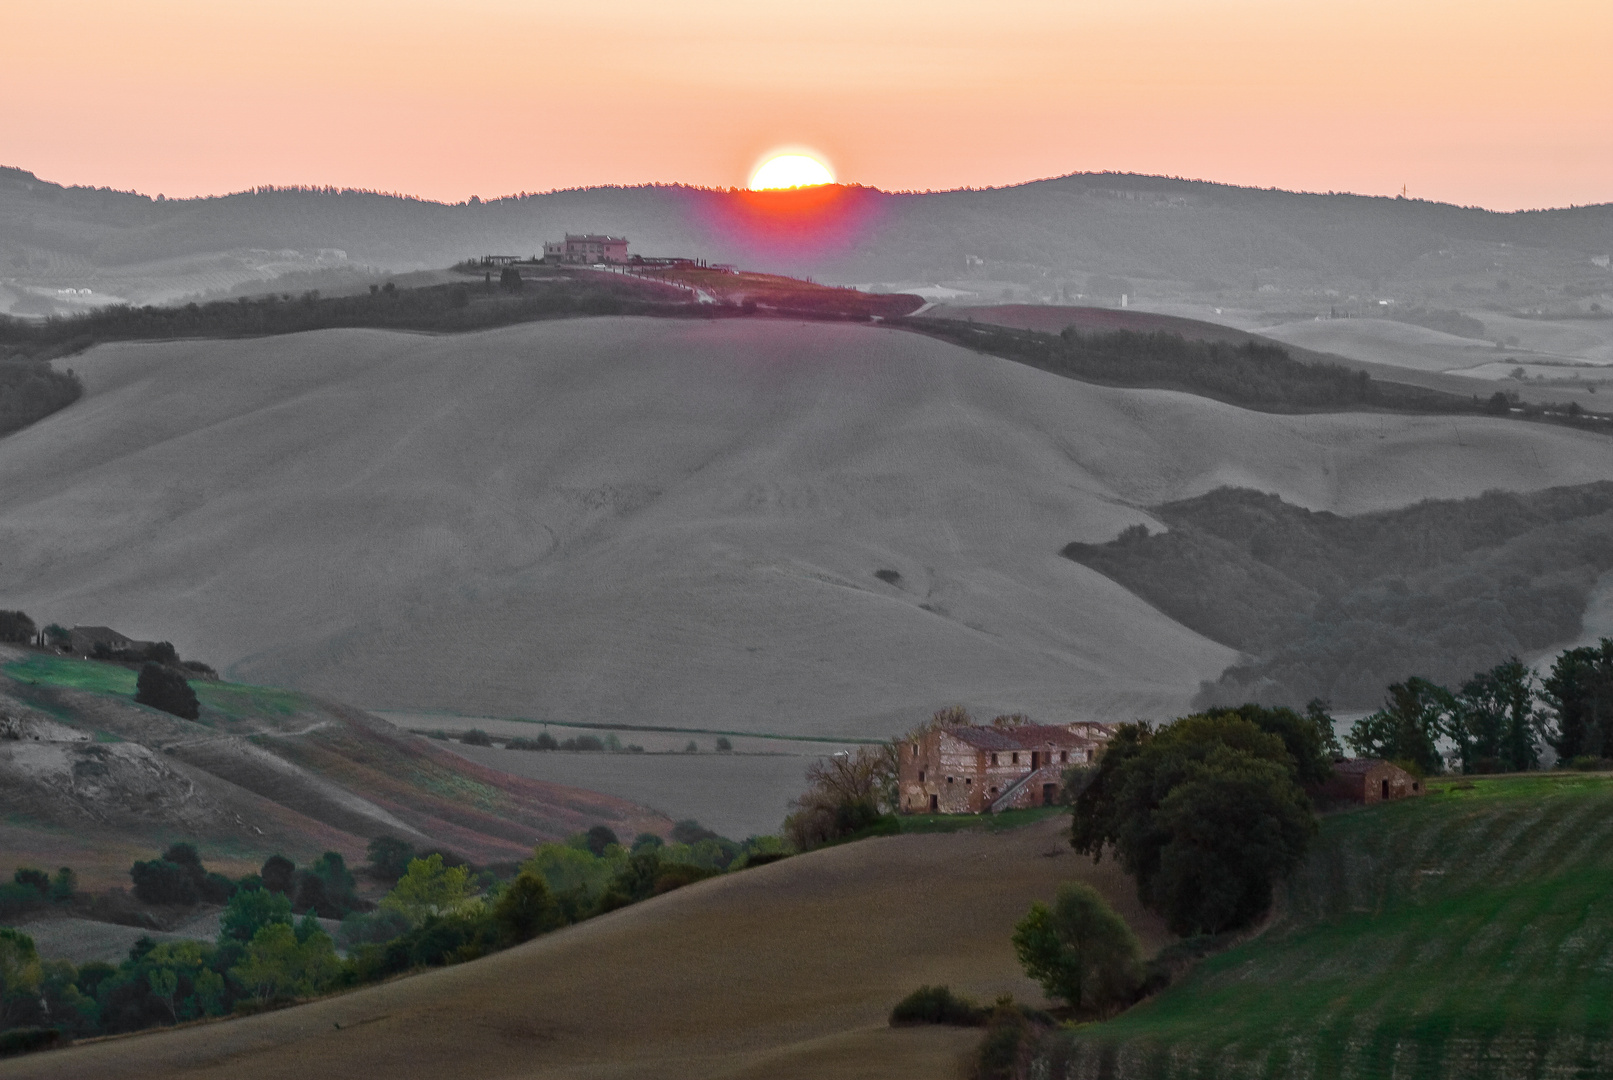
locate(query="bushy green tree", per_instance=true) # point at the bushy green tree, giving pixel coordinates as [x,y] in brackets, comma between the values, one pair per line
[20,973]
[278,965]
[279,874]
[598,838]
[430,888]
[526,908]
[1149,801]
[164,688]
[1407,728]
[389,857]
[250,910]
[1579,691]
[1080,950]
[1495,724]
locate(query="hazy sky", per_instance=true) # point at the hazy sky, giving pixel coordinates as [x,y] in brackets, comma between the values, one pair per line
[1504,105]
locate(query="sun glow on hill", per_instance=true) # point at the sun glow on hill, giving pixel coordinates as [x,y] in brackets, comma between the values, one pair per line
[790,171]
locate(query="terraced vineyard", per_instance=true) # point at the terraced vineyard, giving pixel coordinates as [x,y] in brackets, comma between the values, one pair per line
[1467,934]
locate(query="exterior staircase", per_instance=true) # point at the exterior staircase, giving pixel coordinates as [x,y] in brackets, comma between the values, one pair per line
[1047,774]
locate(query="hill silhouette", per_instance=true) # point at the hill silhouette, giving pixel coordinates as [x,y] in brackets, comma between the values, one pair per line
[1165,236]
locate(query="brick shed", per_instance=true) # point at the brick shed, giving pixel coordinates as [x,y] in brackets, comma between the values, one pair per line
[1371,780]
[972,770]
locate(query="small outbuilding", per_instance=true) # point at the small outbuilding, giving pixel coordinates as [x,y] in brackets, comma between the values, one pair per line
[1370,780]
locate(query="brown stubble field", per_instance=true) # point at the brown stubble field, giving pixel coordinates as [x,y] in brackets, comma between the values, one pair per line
[785,971]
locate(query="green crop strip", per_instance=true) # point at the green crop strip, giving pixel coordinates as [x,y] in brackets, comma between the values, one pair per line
[1466,934]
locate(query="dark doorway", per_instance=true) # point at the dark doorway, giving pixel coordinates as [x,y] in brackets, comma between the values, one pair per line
[1036,759]
[935,804]
[1049,793]
[1386,791]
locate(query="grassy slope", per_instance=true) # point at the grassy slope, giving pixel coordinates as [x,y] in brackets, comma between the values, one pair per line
[786,971]
[1467,934]
[272,770]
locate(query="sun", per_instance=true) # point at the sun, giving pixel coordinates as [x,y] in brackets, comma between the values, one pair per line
[792,170]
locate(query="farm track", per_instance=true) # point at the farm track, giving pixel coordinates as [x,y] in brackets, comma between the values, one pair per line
[1465,935]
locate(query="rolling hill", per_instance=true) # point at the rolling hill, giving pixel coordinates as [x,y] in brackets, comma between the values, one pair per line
[784,971]
[643,521]
[1167,238]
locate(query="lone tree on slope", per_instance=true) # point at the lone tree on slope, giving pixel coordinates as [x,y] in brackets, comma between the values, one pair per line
[166,689]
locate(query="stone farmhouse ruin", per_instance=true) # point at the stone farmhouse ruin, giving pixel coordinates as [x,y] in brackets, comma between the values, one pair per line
[1369,780]
[976,770]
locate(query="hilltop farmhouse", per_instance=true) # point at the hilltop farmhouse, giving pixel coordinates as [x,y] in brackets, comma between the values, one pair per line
[586,249]
[974,770]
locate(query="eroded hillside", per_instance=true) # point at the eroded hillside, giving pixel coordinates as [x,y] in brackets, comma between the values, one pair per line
[87,775]
[745,525]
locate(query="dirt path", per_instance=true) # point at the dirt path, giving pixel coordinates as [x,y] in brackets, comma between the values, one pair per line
[785,971]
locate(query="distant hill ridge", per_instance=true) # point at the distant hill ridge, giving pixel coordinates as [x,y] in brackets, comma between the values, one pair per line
[1168,233]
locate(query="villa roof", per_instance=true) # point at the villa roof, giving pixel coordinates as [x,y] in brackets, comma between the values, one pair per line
[1024,737]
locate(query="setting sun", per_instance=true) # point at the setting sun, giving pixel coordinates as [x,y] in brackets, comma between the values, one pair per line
[790,171]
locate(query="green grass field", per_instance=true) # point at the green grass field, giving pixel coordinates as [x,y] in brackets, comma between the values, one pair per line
[1465,934]
[233,701]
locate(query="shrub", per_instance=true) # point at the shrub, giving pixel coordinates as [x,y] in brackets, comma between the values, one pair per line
[598,838]
[389,857]
[162,882]
[279,874]
[724,746]
[690,831]
[526,908]
[29,1039]
[372,928]
[1003,1052]
[677,875]
[65,885]
[37,880]
[16,899]
[591,744]
[166,689]
[937,1005]
[544,741]
[1079,950]
[476,737]
[249,911]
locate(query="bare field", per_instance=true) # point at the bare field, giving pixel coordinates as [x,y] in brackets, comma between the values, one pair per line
[643,521]
[738,795]
[787,971]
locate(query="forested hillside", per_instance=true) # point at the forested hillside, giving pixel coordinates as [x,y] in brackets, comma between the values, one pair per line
[1338,607]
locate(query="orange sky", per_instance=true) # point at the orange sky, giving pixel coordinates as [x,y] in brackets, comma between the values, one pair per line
[1503,105]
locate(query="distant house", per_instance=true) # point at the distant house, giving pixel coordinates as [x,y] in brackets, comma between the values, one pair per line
[1370,780]
[90,640]
[974,770]
[586,249]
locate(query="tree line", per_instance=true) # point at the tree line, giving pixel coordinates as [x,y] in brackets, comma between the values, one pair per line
[438,910]
[1499,720]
